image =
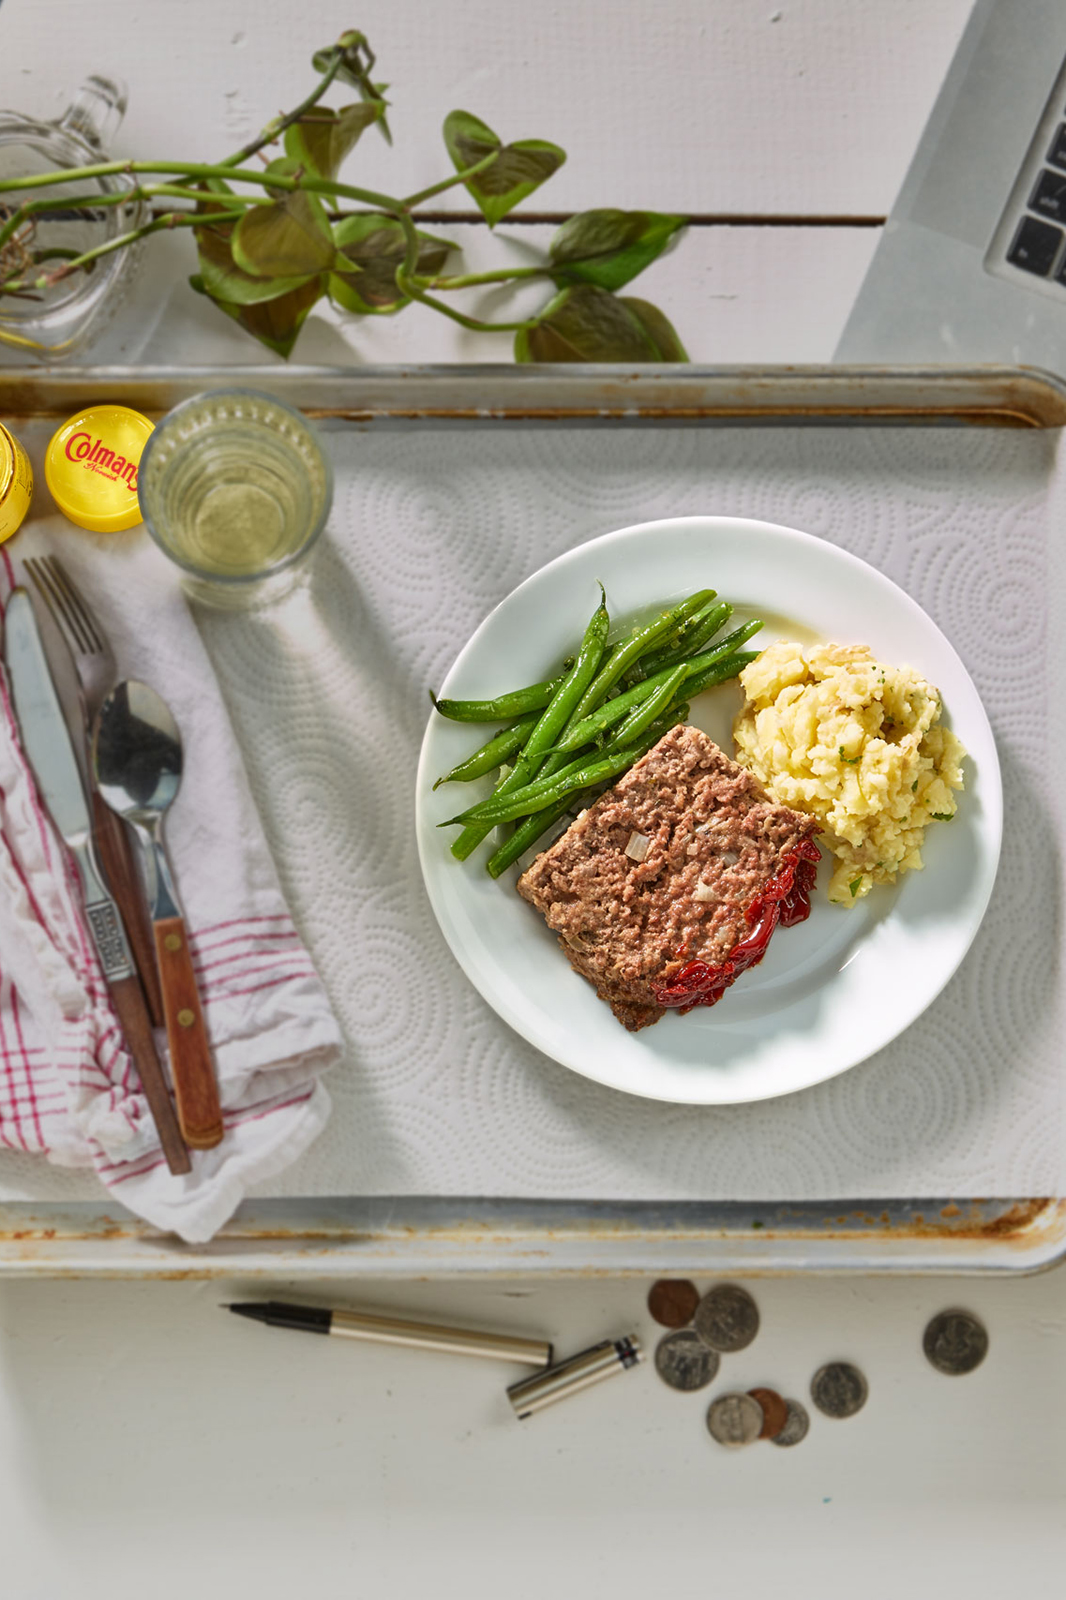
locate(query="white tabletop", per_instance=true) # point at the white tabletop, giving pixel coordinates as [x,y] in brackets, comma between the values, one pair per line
[149,1441]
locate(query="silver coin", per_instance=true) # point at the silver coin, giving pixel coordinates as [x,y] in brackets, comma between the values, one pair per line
[727,1318]
[839,1389]
[683,1361]
[796,1426]
[735,1419]
[955,1342]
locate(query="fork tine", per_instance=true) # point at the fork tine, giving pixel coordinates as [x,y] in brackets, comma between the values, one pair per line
[72,608]
[77,603]
[43,582]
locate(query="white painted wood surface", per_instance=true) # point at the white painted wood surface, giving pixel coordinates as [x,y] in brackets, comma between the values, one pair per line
[786,106]
[734,294]
[156,1446]
[148,1443]
[807,109]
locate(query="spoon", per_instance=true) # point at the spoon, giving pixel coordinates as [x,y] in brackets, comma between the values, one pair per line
[136,755]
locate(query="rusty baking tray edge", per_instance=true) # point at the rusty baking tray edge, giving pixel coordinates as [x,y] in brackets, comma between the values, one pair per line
[423,1237]
[415,1237]
[990,395]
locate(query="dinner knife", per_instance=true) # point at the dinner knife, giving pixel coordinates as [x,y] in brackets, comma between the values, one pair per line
[47,746]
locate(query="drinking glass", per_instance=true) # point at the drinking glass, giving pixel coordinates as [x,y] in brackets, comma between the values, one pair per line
[234,487]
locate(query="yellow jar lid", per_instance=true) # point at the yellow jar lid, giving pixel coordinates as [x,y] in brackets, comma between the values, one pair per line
[16,484]
[91,467]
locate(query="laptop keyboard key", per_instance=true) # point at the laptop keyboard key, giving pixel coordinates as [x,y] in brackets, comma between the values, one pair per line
[1036,244]
[1057,154]
[1049,196]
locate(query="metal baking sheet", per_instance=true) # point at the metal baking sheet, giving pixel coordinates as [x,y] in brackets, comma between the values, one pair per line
[416,1236]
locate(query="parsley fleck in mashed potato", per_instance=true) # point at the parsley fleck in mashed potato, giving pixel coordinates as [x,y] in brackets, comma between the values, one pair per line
[858,744]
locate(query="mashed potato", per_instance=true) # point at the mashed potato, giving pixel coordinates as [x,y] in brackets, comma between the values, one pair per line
[857,743]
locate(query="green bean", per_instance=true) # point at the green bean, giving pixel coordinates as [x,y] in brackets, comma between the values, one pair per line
[518,703]
[624,656]
[526,834]
[697,632]
[639,642]
[552,720]
[731,642]
[646,712]
[719,671]
[585,773]
[613,711]
[590,728]
[493,754]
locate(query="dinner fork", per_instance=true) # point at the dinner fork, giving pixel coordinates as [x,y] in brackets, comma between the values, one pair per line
[96,672]
[94,663]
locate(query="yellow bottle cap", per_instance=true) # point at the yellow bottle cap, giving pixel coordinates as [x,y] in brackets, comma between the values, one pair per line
[91,467]
[16,484]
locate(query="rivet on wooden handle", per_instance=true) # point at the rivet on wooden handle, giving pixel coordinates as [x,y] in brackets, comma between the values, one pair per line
[191,1067]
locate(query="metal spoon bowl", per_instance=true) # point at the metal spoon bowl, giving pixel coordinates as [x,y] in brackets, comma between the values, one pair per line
[137,760]
[137,753]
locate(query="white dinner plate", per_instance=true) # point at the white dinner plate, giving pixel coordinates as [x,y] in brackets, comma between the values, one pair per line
[831,990]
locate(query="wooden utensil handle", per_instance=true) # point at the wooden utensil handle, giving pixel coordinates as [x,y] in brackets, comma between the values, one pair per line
[128,999]
[191,1066]
[114,848]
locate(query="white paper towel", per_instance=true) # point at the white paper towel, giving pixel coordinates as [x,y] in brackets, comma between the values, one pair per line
[330,699]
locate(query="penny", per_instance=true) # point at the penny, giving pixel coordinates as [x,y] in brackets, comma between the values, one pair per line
[839,1389]
[734,1420]
[796,1425]
[684,1362]
[774,1411]
[955,1342]
[672,1301]
[727,1318]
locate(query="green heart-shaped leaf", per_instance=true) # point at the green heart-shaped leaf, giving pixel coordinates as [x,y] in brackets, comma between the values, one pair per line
[223,279]
[375,246]
[658,327]
[276,322]
[518,169]
[321,139]
[292,237]
[356,65]
[585,323]
[609,247]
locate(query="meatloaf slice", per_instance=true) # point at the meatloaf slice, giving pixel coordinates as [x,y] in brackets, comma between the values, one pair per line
[722,866]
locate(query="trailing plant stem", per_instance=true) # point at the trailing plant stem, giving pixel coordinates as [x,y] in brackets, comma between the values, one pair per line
[278,124]
[405,276]
[470,280]
[413,200]
[173,219]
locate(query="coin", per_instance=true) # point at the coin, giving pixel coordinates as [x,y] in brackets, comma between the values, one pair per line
[735,1419]
[839,1389]
[727,1318]
[955,1342]
[774,1410]
[683,1361]
[796,1426]
[672,1301]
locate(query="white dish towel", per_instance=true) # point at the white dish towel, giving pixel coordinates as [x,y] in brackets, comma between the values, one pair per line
[67,1087]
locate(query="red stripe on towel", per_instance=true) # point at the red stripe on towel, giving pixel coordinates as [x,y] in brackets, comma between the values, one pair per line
[231,1119]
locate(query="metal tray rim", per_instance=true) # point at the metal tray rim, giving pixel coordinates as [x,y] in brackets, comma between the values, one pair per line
[413,1236]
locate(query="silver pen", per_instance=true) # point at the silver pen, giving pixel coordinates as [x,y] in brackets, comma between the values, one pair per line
[378,1329]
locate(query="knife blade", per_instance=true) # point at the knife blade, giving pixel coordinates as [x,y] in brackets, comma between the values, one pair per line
[48,749]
